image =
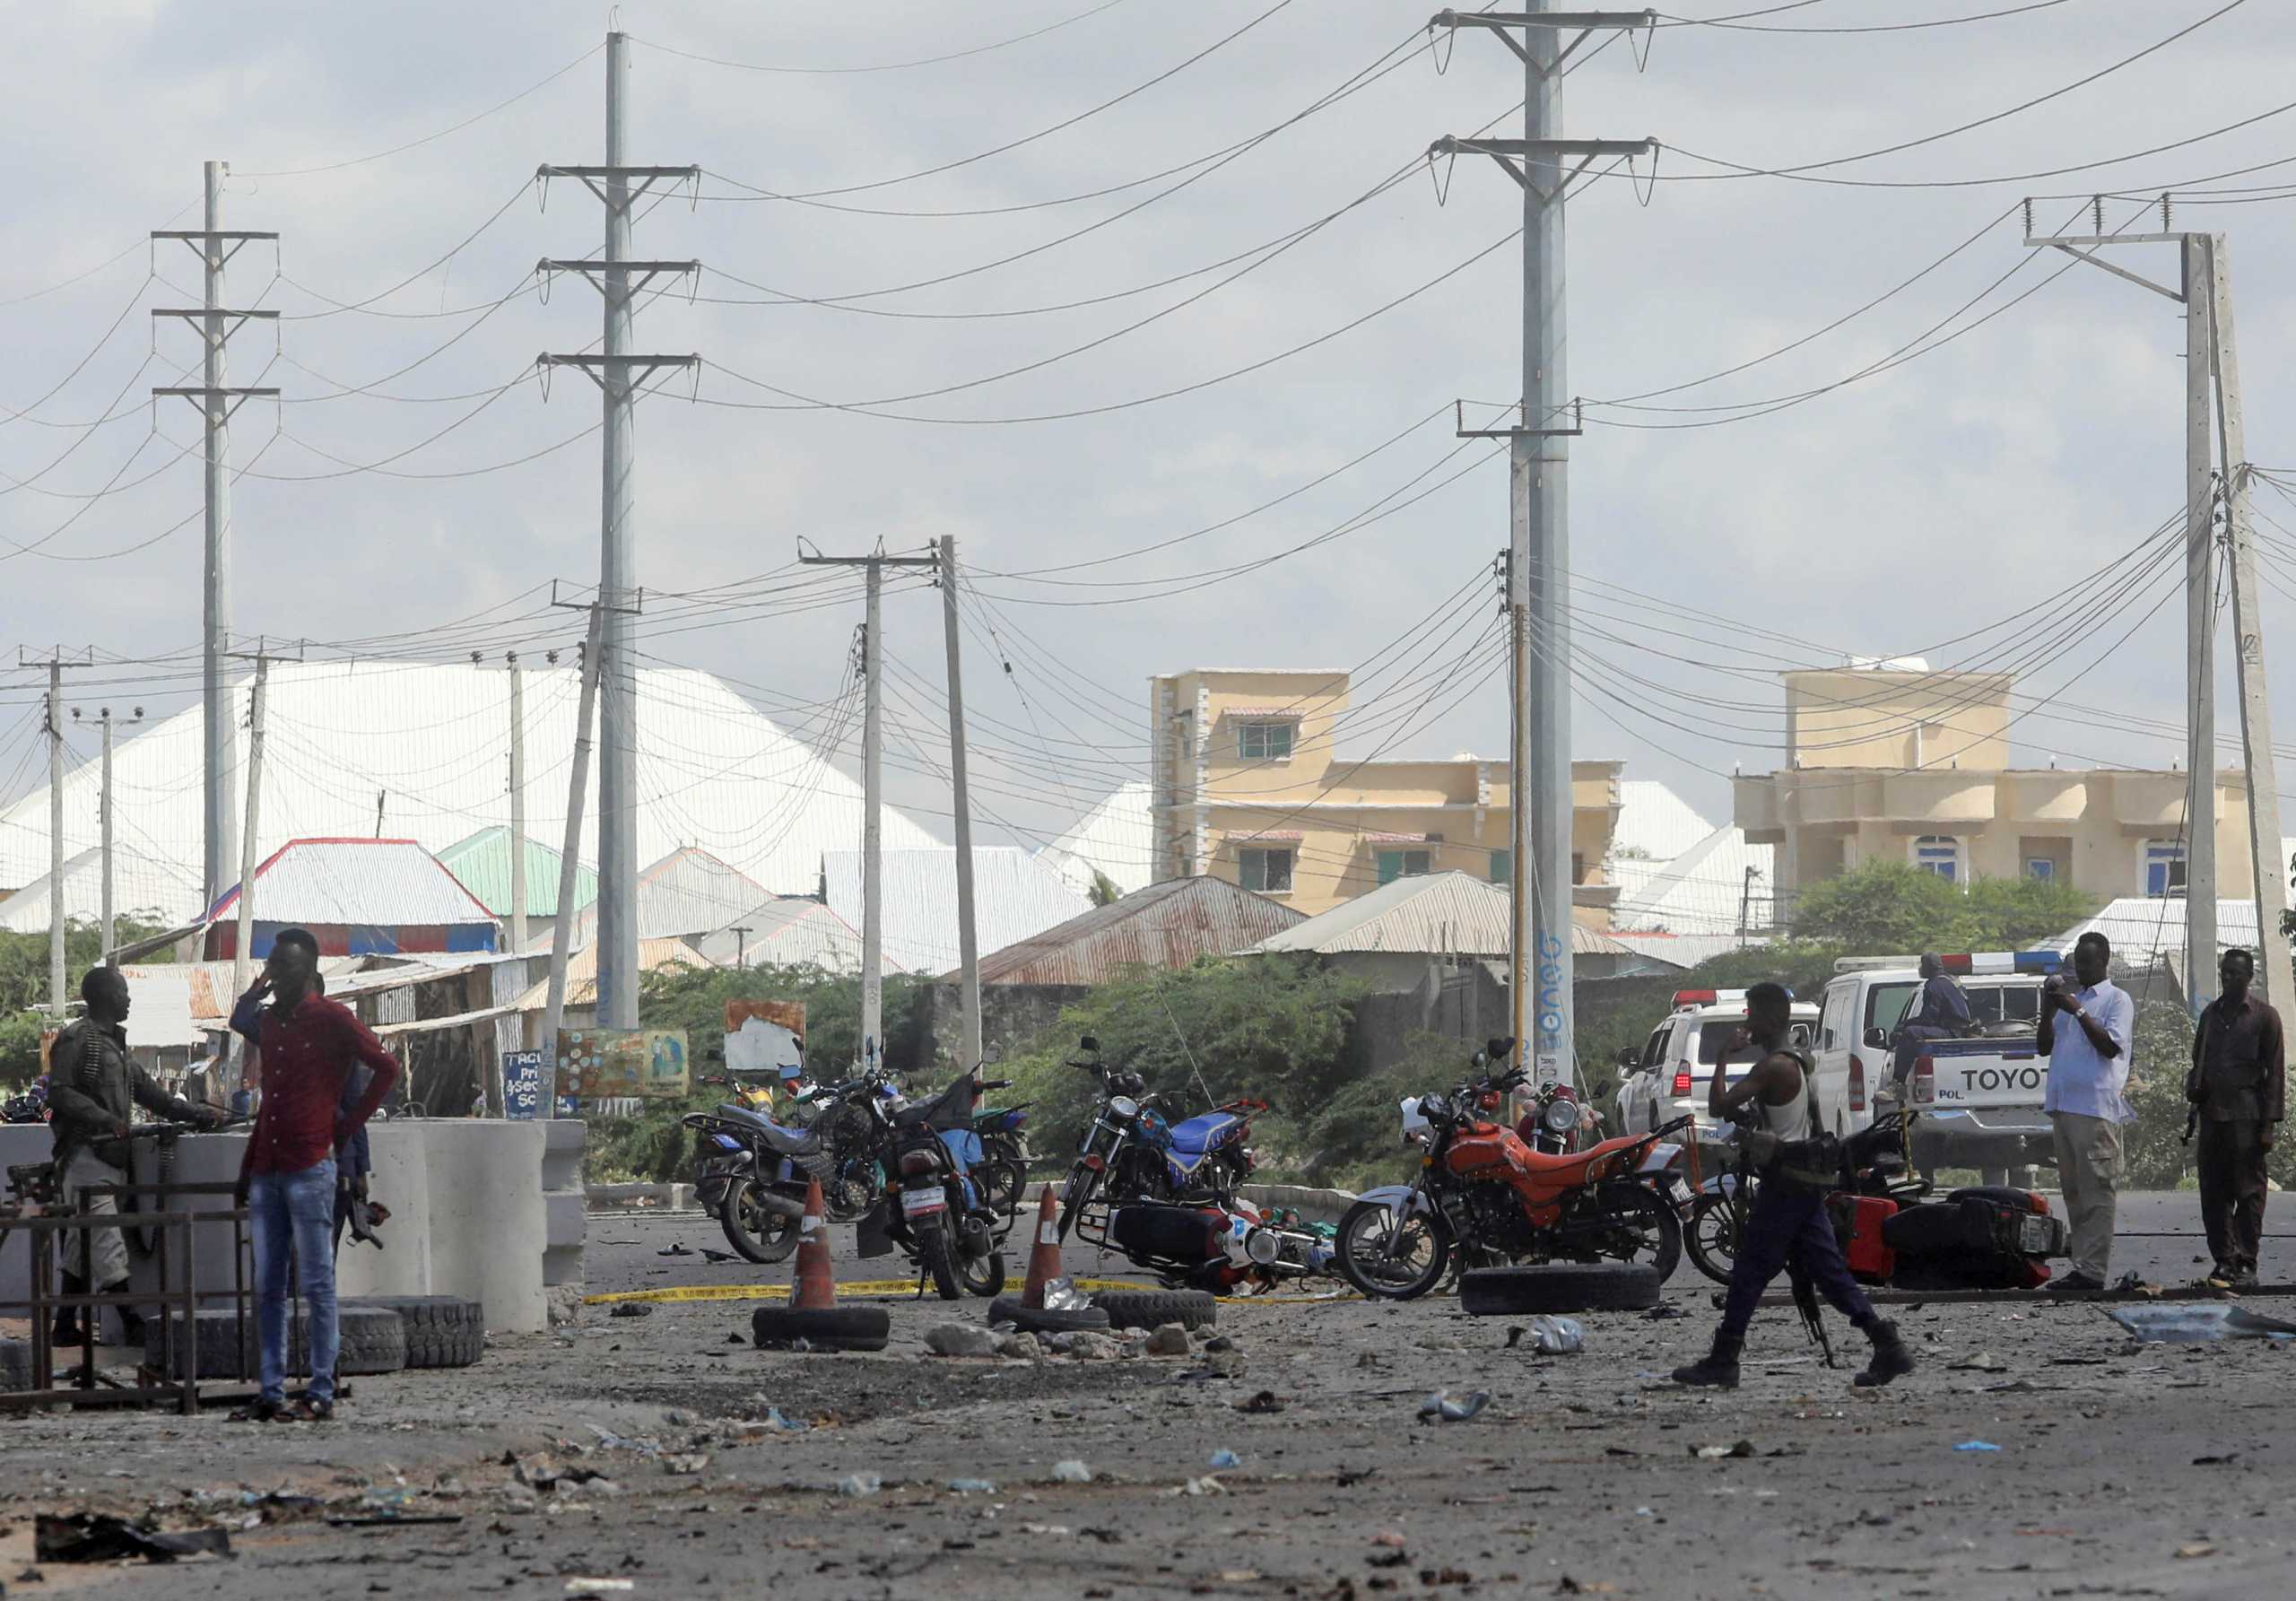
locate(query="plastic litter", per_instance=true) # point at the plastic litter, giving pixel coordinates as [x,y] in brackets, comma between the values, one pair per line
[2199,1325]
[1223,1459]
[1550,1335]
[973,1486]
[1072,1472]
[632,1308]
[1062,1295]
[1715,1453]
[1977,1444]
[1453,1409]
[860,1483]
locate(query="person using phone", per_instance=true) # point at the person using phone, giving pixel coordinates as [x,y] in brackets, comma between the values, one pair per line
[2086,1026]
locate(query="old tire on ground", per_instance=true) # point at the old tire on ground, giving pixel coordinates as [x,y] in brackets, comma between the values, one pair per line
[15,1364]
[371,1339]
[1152,1309]
[1559,1287]
[442,1331]
[823,1329]
[1004,1309]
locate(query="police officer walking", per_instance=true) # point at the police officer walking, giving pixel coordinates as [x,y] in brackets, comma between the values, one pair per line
[2238,1091]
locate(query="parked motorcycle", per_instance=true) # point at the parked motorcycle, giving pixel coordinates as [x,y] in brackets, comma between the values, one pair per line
[1483,1197]
[1230,1249]
[932,1209]
[1000,1163]
[31,1107]
[1893,1230]
[1133,1153]
[753,1173]
[1558,1122]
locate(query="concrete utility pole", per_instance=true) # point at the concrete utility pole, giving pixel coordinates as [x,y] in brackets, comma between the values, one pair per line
[517,805]
[1539,572]
[968,938]
[873,787]
[620,375]
[570,858]
[216,402]
[242,954]
[104,805]
[2212,372]
[55,974]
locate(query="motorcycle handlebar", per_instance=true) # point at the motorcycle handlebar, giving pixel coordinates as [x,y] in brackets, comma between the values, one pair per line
[989,1085]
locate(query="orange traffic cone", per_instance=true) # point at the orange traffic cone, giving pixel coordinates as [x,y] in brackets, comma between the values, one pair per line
[1044,1256]
[816,1286]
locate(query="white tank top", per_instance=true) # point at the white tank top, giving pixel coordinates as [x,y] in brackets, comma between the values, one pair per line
[1792,1121]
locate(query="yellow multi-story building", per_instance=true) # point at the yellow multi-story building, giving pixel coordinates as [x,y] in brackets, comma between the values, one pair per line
[1250,786]
[1895,762]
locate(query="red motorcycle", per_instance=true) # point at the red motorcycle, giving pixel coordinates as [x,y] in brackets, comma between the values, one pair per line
[1484,1196]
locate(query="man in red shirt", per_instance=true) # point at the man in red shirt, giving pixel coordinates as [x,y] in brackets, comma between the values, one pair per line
[310,1046]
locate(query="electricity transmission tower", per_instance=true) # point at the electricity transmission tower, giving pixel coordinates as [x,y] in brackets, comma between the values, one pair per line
[2211,373]
[1545,165]
[619,375]
[216,401]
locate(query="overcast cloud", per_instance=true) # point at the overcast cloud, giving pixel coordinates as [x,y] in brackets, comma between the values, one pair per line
[1884,517]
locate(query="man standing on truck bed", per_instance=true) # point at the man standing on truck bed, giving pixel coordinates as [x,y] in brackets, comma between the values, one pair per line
[2088,1069]
[2238,1095]
[1943,1013]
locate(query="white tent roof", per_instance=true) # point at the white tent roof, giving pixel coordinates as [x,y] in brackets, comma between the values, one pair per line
[1697,891]
[1015,896]
[140,882]
[1117,837]
[790,931]
[1654,824]
[1432,913]
[687,894]
[430,742]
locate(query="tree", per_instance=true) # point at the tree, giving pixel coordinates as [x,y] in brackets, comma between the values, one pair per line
[1891,908]
[1105,890]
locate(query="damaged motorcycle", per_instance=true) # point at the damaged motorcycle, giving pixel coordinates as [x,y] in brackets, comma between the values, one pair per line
[1133,1153]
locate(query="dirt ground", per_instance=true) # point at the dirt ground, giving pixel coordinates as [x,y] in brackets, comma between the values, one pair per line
[2122,1469]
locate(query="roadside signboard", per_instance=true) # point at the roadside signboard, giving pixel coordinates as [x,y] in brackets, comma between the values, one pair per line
[522,1084]
[601,1064]
[764,1036]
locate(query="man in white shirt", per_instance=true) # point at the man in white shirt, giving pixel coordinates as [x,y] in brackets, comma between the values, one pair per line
[2085,1031]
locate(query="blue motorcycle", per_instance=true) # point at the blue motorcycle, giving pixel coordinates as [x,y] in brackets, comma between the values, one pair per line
[753,1173]
[1132,1153]
[932,1208]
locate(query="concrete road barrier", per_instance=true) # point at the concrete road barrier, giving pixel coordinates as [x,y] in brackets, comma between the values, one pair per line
[665,1198]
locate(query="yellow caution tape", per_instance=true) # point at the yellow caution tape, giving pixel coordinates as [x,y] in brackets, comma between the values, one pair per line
[861,1290]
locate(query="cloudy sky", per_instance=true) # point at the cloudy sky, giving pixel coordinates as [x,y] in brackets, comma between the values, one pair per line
[994,345]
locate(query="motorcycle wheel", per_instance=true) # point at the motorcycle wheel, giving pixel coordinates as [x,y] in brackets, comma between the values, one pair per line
[933,1257]
[1075,1196]
[1000,1181]
[1712,1236]
[1643,1227]
[982,1276]
[1391,1259]
[759,1235]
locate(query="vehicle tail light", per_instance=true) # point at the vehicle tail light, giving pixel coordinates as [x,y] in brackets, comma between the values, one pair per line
[2034,1203]
[1682,1079]
[915,1164]
[1924,1078]
[1094,1161]
[1856,1084]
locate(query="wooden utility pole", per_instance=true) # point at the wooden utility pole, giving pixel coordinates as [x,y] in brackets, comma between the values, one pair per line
[961,807]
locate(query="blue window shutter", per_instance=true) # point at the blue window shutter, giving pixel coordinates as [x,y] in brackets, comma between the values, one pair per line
[1390,865]
[1502,866]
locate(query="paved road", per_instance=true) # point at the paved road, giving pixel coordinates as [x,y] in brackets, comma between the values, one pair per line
[2159,1237]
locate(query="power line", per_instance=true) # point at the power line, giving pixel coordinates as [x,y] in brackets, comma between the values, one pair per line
[1667,20]
[882,66]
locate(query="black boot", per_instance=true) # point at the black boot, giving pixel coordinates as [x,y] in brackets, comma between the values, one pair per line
[1892,1360]
[131,1321]
[67,1318]
[1720,1368]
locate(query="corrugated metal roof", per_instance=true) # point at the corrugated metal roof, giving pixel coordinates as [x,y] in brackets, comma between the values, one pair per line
[582,973]
[431,740]
[2145,929]
[483,862]
[379,884]
[1684,951]
[1117,837]
[1167,924]
[1014,896]
[140,882]
[1447,913]
[789,931]
[686,895]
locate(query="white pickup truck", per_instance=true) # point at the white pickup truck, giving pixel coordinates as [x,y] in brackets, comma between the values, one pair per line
[1979,1097]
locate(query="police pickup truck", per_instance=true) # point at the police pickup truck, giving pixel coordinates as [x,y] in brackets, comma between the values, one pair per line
[1980,1096]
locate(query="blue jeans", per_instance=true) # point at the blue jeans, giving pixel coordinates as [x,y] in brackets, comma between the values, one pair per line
[1790,1227]
[295,1213]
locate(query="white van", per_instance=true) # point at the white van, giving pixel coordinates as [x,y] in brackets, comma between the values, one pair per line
[1669,1075]
[1979,1097]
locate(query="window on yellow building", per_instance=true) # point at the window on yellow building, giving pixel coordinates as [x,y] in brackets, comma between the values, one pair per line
[1263,742]
[1265,871]
[2164,866]
[1940,853]
[1502,866]
[1406,864]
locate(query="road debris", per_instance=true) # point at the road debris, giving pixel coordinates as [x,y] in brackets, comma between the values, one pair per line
[860,1483]
[1977,1444]
[632,1308]
[2199,1324]
[99,1537]
[1453,1409]
[1715,1453]
[962,1339]
[1550,1335]
[1072,1472]
[1170,1339]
